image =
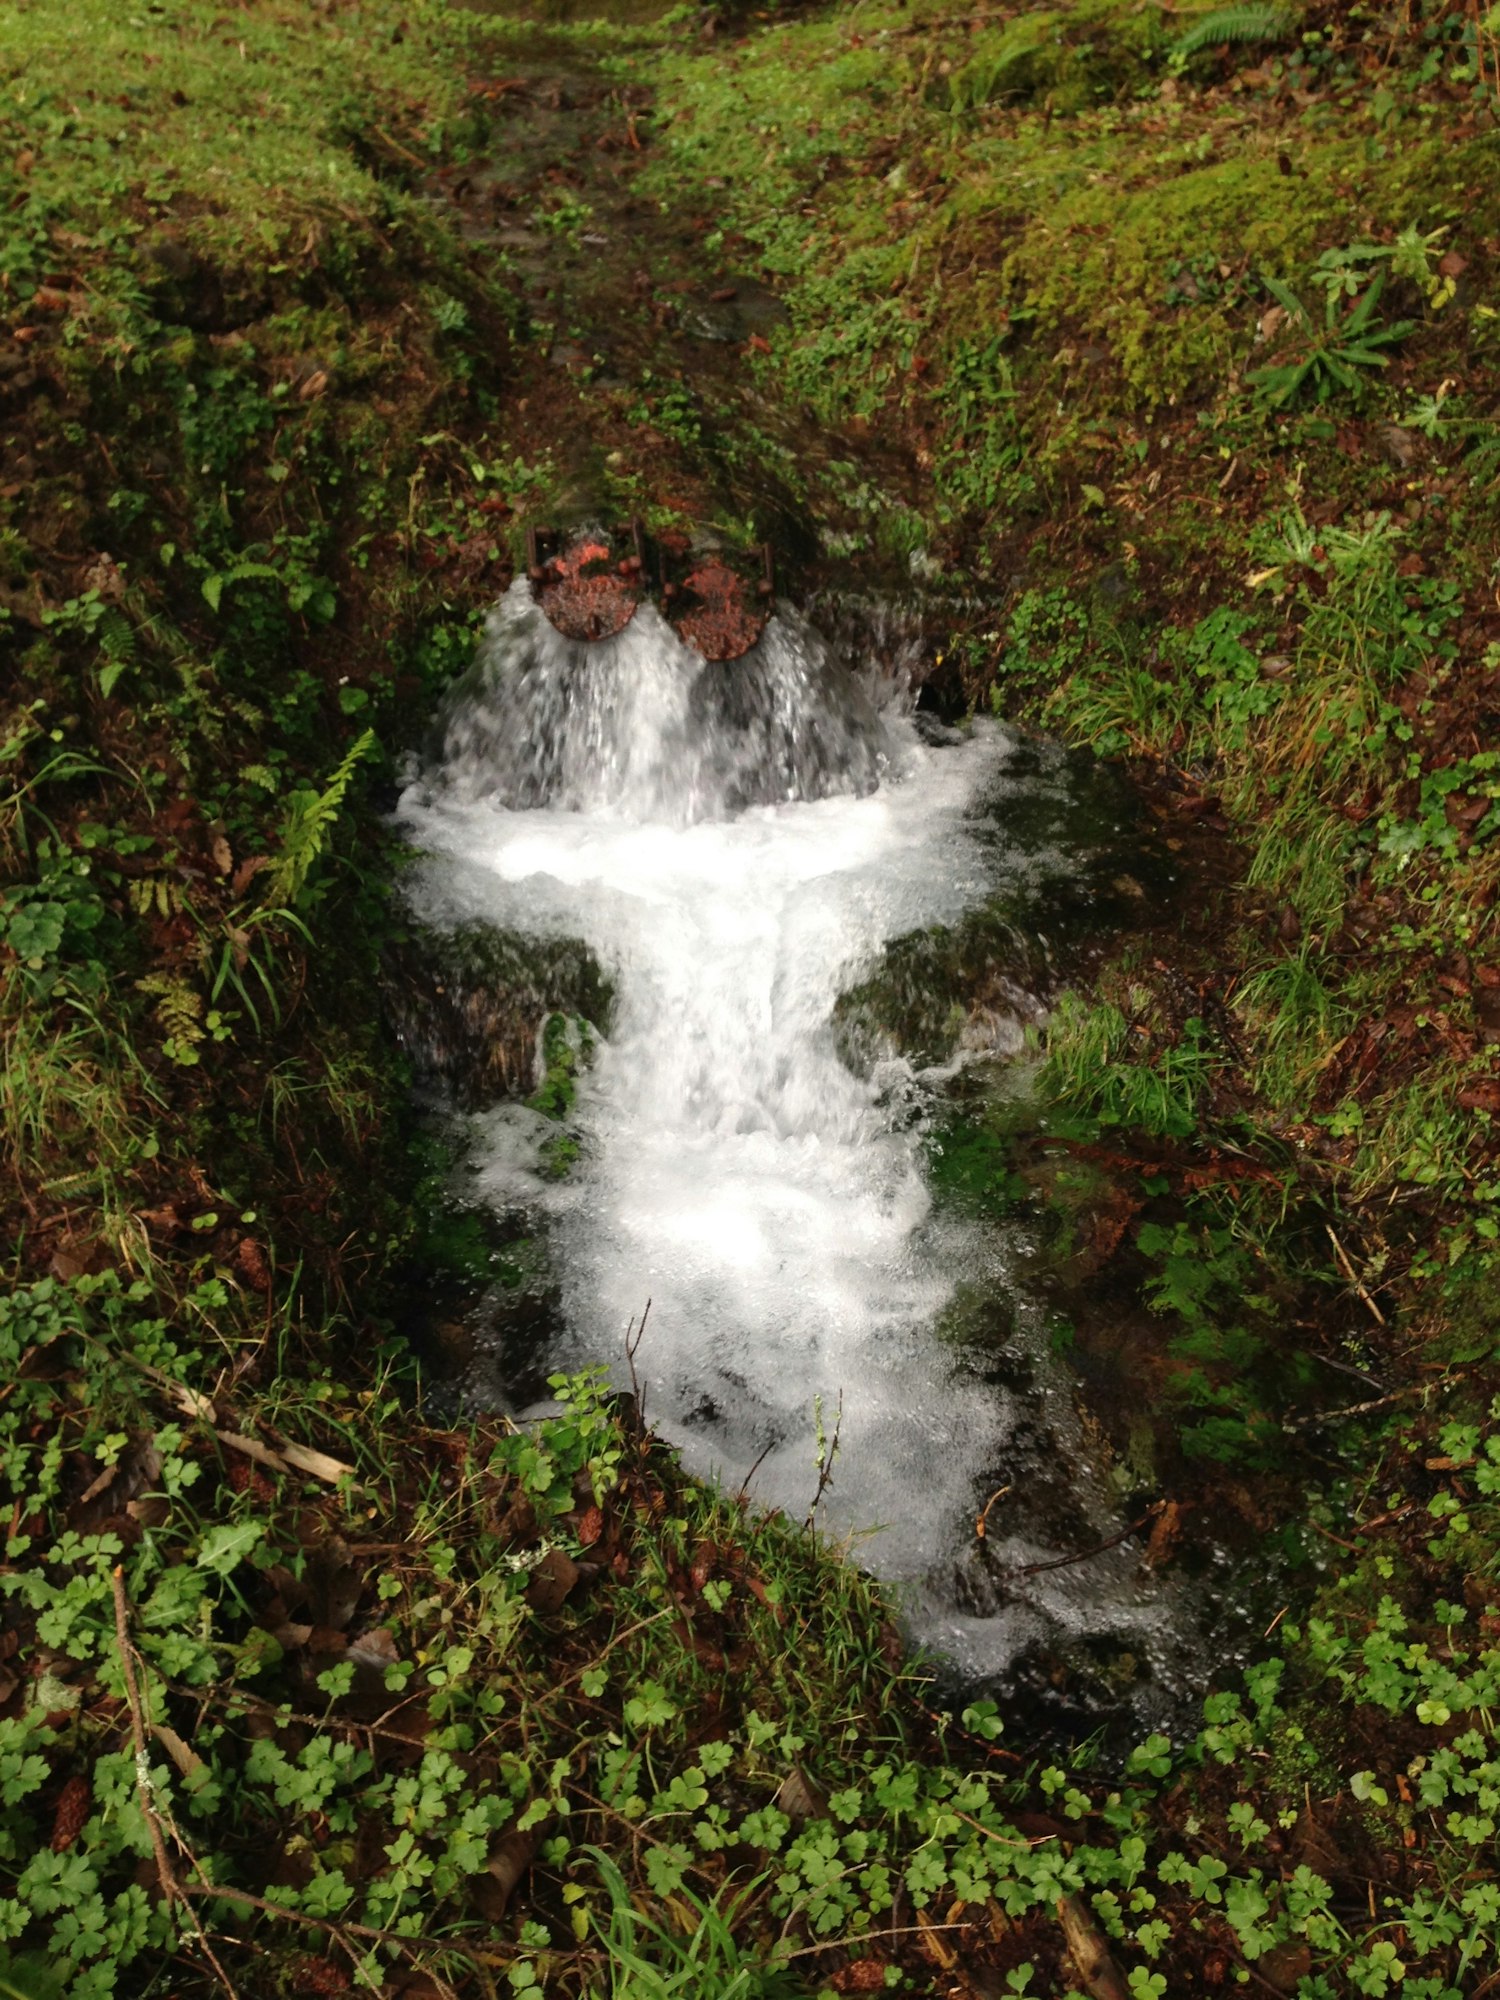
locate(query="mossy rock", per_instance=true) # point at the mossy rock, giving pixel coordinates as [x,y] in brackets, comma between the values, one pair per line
[470,1005]
[1081,868]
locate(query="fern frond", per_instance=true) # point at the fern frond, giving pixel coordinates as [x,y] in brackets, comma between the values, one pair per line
[179,1007]
[308,825]
[1233,24]
[117,649]
[117,638]
[154,896]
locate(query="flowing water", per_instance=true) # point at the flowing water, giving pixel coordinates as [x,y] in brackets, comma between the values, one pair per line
[737,844]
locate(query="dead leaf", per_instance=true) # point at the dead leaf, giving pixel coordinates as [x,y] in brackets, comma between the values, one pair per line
[800,1797]
[590,1527]
[1286,1965]
[312,385]
[114,1489]
[219,849]
[933,1943]
[865,1975]
[1164,1533]
[375,1648]
[548,1586]
[1095,1968]
[251,1260]
[247,871]
[182,1754]
[334,1586]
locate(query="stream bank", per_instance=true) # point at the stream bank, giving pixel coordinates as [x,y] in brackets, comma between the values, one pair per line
[255,494]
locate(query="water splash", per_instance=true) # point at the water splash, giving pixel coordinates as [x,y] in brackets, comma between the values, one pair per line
[737,844]
[640,726]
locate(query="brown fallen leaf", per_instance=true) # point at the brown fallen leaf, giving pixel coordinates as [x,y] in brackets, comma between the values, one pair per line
[549,1583]
[800,1797]
[934,1944]
[1285,1966]
[375,1648]
[182,1754]
[247,871]
[1164,1533]
[865,1975]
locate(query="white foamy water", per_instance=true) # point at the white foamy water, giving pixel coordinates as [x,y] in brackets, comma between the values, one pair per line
[737,844]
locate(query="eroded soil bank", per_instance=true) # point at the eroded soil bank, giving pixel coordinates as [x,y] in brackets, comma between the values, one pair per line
[1161,358]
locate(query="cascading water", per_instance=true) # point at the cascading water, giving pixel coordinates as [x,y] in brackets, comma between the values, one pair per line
[737,844]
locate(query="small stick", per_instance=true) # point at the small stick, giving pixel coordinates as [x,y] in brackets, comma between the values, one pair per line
[633,1337]
[1352,1275]
[998,1494]
[170,1890]
[212,1891]
[1356,1409]
[1085,1555]
[744,1492]
[1328,1535]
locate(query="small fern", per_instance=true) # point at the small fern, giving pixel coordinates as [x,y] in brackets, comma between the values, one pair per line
[1232,24]
[309,823]
[117,649]
[155,896]
[179,1011]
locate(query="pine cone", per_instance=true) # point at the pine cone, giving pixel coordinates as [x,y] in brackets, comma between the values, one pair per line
[72,1810]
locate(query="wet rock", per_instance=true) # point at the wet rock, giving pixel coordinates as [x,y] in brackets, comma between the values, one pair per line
[1068,837]
[470,1006]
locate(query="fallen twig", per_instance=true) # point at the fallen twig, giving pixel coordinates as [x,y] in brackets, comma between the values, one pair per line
[984,1512]
[1084,1555]
[1352,1275]
[288,1457]
[1356,1409]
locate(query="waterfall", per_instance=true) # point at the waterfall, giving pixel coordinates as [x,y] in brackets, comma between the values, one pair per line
[736,844]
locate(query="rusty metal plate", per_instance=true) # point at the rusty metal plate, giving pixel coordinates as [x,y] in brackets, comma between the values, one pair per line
[720,618]
[585,593]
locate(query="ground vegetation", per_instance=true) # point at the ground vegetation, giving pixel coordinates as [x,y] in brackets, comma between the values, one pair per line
[1165,343]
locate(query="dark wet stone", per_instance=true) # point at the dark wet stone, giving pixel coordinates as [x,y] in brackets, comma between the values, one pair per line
[470,1005]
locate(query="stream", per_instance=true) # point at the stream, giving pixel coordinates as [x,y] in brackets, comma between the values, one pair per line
[739,845]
